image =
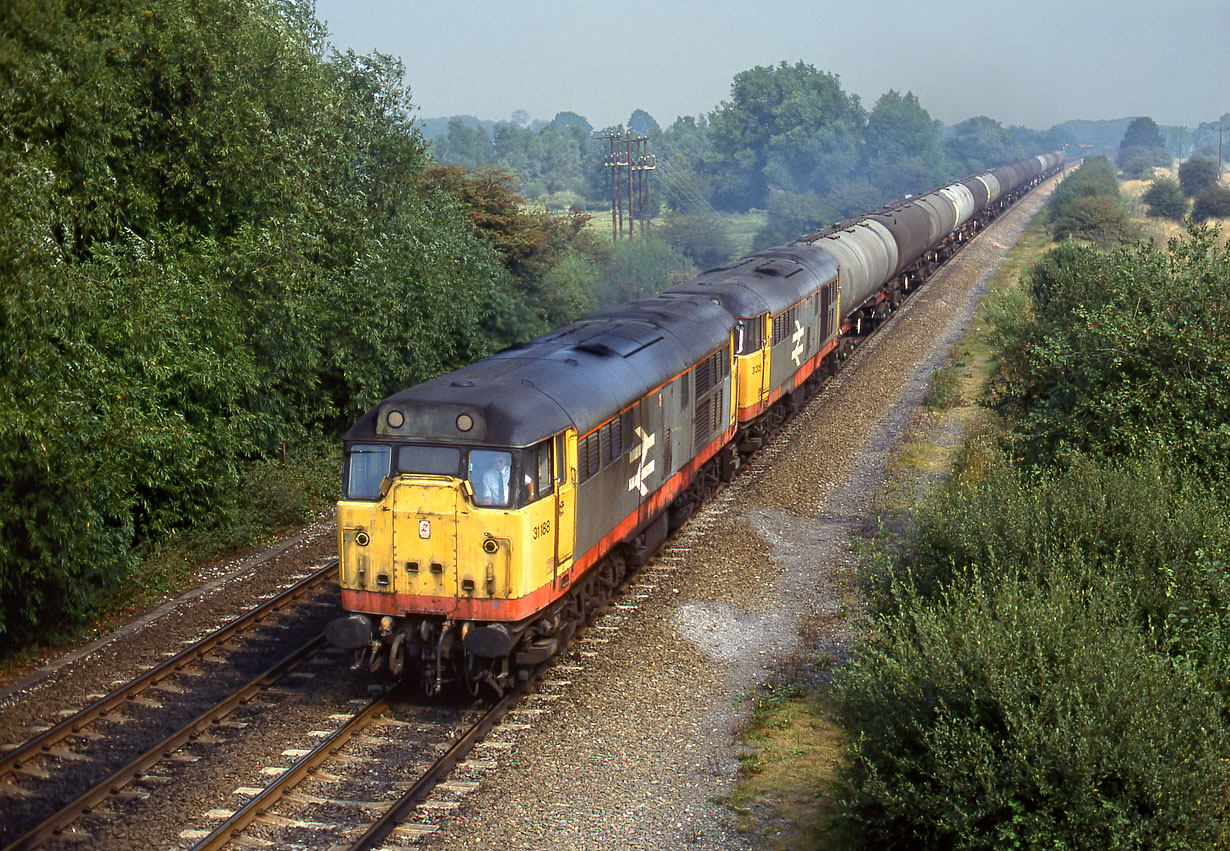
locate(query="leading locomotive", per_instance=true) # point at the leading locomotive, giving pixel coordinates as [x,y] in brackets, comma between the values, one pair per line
[486,513]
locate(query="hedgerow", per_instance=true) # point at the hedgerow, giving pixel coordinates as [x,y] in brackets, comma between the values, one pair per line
[1005,714]
[1048,659]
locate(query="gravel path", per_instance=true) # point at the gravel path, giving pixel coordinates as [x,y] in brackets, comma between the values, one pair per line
[641,738]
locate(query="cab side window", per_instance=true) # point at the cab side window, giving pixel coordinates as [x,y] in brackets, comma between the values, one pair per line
[539,469]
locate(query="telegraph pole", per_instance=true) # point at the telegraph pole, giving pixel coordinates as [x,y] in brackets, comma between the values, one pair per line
[630,162]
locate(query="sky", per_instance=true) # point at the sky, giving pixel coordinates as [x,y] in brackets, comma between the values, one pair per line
[1035,65]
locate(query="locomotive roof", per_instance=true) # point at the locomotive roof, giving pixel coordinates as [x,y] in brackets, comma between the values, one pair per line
[770,280]
[579,375]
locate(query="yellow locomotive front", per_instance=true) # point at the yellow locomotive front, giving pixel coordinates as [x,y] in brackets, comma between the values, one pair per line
[450,552]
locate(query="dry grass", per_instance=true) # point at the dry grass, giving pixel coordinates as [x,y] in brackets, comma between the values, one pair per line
[1160,231]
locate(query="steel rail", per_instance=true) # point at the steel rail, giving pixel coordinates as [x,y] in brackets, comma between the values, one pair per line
[13,760]
[118,780]
[271,794]
[441,768]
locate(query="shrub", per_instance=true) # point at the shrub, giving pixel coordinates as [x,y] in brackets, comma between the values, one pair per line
[1165,198]
[1099,220]
[702,236]
[1197,175]
[1137,163]
[1212,203]
[943,388]
[1002,715]
[1127,356]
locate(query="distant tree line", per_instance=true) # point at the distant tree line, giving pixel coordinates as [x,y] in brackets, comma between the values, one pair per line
[789,140]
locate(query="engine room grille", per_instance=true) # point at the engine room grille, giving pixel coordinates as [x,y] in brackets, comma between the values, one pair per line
[708,417]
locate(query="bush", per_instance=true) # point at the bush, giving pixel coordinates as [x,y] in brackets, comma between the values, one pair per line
[943,389]
[1001,715]
[1212,203]
[1086,205]
[702,237]
[1197,175]
[1127,356]
[644,266]
[1165,199]
[1138,163]
[1099,220]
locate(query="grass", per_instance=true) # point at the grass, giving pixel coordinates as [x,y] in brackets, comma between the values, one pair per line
[789,773]
[1160,231]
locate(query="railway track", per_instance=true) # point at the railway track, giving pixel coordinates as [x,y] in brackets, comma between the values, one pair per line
[283,811]
[92,756]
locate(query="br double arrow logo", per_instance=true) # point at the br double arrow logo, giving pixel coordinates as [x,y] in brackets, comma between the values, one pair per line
[644,468]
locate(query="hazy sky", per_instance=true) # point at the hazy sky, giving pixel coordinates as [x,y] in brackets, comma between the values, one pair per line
[1034,64]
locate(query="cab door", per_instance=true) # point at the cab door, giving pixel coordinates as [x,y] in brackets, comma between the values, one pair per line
[766,357]
[565,460]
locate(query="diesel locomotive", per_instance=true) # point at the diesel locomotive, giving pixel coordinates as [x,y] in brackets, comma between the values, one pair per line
[487,512]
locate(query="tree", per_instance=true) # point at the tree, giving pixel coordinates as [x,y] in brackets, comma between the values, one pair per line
[571,119]
[641,123]
[785,126]
[464,145]
[1212,203]
[1197,175]
[213,242]
[791,215]
[1137,163]
[902,144]
[1142,133]
[981,143]
[1142,148]
[1165,198]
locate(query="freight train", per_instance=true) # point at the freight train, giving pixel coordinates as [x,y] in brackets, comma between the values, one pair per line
[487,513]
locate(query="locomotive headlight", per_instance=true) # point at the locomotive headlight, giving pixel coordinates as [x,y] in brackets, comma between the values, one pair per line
[395,419]
[490,546]
[362,539]
[465,422]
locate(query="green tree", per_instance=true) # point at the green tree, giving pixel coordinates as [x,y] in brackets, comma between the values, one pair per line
[1142,148]
[792,215]
[1142,133]
[1165,198]
[982,143]
[642,123]
[465,145]
[902,143]
[684,174]
[238,228]
[1197,175]
[785,126]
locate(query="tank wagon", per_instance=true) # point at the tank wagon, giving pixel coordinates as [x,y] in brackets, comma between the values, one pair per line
[487,513]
